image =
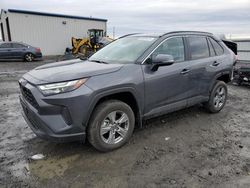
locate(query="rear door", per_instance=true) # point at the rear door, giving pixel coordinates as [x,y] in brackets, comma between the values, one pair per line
[18,50]
[199,60]
[221,60]
[5,51]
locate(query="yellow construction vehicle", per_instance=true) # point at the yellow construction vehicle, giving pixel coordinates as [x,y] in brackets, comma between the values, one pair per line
[88,46]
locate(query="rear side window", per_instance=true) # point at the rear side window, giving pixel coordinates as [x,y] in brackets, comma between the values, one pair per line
[198,47]
[217,47]
[5,45]
[16,45]
[173,46]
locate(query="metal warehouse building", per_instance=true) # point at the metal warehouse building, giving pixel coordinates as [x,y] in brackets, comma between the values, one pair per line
[243,49]
[51,32]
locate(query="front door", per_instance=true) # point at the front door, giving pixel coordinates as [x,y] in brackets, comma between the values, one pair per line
[166,88]
[5,51]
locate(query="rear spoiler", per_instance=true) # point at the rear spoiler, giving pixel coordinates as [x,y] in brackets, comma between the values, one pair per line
[231,45]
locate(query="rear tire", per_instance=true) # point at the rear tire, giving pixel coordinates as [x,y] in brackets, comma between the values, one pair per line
[111,125]
[29,57]
[217,98]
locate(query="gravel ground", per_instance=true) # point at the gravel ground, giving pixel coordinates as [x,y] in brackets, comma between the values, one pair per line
[188,148]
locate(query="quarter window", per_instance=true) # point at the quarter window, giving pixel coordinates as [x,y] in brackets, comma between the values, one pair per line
[218,49]
[172,46]
[198,47]
[211,49]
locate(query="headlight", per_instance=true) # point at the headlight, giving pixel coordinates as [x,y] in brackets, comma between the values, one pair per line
[61,87]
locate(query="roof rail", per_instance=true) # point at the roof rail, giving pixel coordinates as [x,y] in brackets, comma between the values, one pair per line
[198,32]
[128,35]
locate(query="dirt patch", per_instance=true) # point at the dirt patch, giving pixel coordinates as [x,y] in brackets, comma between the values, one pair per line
[188,148]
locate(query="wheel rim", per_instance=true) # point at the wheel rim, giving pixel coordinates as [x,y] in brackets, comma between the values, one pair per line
[219,98]
[29,57]
[114,127]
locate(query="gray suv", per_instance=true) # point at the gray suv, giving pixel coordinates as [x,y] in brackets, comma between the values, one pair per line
[132,79]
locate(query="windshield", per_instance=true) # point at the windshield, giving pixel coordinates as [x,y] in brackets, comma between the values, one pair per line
[124,50]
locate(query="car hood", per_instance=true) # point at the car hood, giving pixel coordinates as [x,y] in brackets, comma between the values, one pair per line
[68,70]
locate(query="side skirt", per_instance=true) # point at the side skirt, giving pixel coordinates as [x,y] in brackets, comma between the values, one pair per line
[175,106]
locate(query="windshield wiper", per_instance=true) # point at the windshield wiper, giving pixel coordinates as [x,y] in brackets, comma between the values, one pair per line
[97,61]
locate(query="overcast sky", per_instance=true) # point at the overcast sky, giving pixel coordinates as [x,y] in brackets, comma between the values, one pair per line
[128,16]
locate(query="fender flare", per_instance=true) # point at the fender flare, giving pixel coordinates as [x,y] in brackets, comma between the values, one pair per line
[94,101]
[227,72]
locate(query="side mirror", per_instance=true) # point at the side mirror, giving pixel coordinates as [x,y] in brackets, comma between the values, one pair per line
[161,60]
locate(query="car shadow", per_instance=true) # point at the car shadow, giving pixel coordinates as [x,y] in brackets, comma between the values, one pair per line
[18,60]
[37,145]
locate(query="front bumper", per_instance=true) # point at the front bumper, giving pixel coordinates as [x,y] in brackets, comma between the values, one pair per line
[42,130]
[46,115]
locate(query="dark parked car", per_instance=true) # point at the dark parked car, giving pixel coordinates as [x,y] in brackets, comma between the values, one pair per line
[16,50]
[132,79]
[242,72]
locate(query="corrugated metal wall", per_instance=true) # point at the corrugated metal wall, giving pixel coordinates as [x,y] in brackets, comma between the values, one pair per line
[49,33]
[3,21]
[243,50]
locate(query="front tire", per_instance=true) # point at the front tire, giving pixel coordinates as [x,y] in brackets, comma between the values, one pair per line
[218,97]
[85,50]
[111,125]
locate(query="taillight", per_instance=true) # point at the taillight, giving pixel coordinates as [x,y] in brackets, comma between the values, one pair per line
[38,50]
[236,57]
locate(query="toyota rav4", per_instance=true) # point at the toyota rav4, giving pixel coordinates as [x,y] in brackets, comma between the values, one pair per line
[134,78]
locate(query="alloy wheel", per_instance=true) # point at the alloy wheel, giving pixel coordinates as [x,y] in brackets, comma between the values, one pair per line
[29,57]
[114,127]
[219,98]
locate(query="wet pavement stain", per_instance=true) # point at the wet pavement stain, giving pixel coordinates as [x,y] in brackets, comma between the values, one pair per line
[51,167]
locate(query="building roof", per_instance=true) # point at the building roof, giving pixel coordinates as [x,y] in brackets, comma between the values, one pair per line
[239,37]
[241,40]
[55,15]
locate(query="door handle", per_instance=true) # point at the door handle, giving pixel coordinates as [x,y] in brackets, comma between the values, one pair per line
[215,63]
[185,71]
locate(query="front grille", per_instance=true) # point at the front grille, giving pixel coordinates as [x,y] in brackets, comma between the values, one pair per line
[28,96]
[29,116]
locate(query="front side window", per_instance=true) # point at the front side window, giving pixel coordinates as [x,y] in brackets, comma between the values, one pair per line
[5,45]
[198,47]
[218,49]
[125,50]
[172,46]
